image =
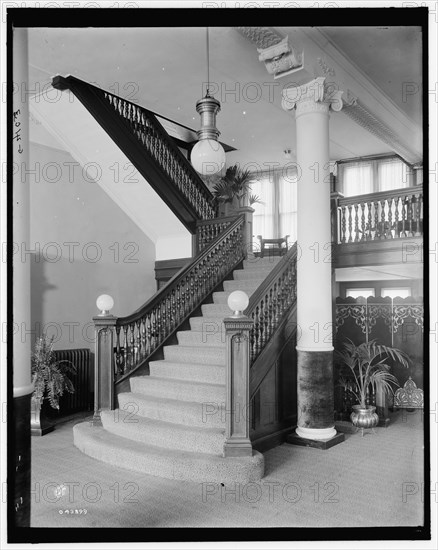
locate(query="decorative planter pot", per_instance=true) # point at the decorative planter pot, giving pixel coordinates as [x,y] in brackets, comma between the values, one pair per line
[364,418]
[39,423]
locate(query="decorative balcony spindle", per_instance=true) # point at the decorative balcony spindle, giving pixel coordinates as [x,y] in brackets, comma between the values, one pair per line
[350,224]
[396,225]
[356,223]
[390,226]
[343,224]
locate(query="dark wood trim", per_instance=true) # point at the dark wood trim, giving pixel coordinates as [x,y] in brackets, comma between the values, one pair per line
[19,482]
[384,252]
[265,361]
[380,195]
[269,441]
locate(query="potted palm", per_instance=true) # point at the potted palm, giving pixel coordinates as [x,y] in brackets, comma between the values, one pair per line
[50,378]
[233,190]
[368,370]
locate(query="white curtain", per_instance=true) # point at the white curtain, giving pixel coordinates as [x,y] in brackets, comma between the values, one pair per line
[263,218]
[356,178]
[363,177]
[288,208]
[392,174]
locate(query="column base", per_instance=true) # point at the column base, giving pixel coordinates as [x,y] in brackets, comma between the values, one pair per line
[323,444]
[316,433]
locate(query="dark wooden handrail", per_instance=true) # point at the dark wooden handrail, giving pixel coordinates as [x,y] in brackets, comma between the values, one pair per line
[140,334]
[272,301]
[371,197]
[139,134]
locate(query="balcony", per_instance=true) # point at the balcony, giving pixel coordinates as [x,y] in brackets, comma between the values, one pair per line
[384,228]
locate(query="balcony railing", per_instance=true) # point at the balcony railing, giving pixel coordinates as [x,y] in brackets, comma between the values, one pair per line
[386,215]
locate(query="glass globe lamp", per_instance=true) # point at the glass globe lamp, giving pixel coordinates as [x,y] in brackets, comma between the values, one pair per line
[238,301]
[105,303]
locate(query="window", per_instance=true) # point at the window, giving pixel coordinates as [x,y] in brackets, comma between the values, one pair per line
[401,292]
[276,216]
[359,292]
[371,176]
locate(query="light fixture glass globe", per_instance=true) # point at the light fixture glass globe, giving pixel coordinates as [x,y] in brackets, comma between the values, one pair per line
[238,301]
[208,157]
[105,303]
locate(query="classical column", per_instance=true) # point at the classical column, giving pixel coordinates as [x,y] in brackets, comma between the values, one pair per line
[23,388]
[312,102]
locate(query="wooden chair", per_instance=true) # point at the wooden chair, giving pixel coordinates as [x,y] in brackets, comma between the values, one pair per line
[274,247]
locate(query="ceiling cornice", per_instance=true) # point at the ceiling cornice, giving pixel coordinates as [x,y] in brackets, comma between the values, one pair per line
[324,42]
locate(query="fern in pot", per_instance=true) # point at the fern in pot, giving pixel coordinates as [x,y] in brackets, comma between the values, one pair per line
[50,378]
[233,190]
[368,370]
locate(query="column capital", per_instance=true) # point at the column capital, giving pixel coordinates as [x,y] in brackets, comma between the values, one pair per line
[314,96]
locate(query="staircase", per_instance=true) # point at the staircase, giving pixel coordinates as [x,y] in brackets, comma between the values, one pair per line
[172,423]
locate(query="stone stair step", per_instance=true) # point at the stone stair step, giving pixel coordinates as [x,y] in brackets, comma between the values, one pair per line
[192,354]
[122,452]
[251,274]
[167,435]
[257,263]
[201,392]
[216,310]
[210,336]
[214,374]
[247,285]
[189,413]
[207,324]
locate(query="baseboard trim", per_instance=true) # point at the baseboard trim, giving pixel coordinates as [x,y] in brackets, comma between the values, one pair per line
[269,441]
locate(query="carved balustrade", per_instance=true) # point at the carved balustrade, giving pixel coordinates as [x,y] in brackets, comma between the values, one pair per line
[271,301]
[385,215]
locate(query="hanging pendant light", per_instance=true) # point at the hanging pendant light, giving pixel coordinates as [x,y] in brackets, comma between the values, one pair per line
[208,155]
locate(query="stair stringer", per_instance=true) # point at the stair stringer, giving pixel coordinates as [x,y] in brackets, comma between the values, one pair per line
[104,163]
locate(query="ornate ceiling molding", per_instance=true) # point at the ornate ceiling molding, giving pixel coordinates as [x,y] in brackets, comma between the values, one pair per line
[262,37]
[362,116]
[279,57]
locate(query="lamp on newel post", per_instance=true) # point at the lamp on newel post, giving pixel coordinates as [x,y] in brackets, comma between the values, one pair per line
[237,331]
[104,357]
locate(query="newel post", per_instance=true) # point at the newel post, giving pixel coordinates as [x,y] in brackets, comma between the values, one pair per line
[248,212]
[237,332]
[104,364]
[335,221]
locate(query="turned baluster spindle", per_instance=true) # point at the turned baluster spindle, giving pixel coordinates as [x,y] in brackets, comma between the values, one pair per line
[390,208]
[118,355]
[343,224]
[417,210]
[376,219]
[409,215]
[350,224]
[356,223]
[396,225]
[363,233]
[138,341]
[133,351]
[143,336]
[383,222]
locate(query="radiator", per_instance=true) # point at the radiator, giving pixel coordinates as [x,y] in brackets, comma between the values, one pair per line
[83,381]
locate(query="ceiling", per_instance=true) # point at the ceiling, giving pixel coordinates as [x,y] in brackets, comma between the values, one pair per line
[164,69]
